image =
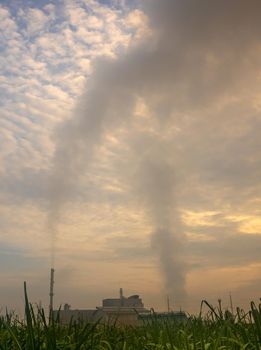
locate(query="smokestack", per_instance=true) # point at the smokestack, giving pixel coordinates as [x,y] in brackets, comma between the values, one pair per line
[168,303]
[51,291]
[121,296]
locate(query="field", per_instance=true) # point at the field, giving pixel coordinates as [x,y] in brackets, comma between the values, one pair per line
[216,330]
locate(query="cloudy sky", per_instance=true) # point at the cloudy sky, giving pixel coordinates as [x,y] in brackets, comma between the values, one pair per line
[130,150]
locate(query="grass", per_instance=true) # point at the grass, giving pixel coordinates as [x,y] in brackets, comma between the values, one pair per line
[217,329]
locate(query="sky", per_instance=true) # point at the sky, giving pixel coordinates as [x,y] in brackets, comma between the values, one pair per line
[130,151]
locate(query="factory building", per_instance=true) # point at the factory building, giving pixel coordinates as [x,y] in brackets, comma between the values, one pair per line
[122,310]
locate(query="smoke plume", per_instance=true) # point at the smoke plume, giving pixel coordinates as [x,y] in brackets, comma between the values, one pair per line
[192,60]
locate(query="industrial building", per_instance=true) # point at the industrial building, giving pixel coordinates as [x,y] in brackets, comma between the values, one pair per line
[122,310]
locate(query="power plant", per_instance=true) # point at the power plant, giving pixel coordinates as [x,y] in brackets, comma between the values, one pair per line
[123,310]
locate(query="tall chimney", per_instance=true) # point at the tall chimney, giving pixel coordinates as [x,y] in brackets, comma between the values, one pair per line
[121,296]
[51,291]
[168,304]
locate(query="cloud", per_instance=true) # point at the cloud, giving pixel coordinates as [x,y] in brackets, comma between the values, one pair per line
[175,141]
[43,73]
[36,21]
[227,249]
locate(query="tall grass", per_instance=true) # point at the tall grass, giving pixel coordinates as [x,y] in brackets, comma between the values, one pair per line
[217,329]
